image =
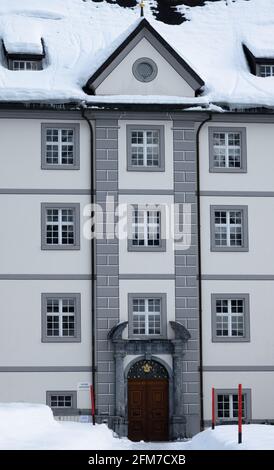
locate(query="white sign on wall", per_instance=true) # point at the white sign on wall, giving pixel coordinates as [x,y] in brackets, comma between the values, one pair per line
[83,386]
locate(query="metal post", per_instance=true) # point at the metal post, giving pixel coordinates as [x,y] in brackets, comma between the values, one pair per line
[213,408]
[92,404]
[240,413]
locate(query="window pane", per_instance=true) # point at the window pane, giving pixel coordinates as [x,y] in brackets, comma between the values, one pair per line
[61,401]
[223,406]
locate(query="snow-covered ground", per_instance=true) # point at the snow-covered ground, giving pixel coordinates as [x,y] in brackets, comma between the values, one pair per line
[32,427]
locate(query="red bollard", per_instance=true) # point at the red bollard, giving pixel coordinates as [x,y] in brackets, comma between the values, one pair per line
[240,413]
[213,408]
[92,404]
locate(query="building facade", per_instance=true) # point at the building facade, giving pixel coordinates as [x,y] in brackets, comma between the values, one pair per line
[151,321]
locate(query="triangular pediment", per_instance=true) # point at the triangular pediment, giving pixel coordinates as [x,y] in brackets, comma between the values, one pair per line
[144,64]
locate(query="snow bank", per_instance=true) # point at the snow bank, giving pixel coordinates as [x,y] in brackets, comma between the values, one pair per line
[255,437]
[30,426]
[24,420]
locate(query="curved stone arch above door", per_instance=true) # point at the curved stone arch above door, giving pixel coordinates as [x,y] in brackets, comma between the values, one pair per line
[152,358]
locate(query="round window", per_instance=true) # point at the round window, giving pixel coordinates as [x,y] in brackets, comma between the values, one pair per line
[144,70]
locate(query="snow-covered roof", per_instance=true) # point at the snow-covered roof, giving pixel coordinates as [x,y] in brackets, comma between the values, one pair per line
[80,35]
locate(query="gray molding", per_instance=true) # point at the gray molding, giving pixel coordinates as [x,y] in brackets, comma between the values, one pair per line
[138,76]
[161,129]
[242,132]
[77,315]
[72,393]
[30,113]
[237,193]
[60,205]
[148,276]
[244,210]
[71,412]
[231,339]
[237,277]
[137,295]
[243,117]
[56,369]
[146,191]
[151,249]
[45,277]
[84,192]
[238,368]
[76,147]
[230,391]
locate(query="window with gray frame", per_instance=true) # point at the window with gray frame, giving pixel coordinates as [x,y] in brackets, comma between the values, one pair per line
[145,148]
[61,318]
[227,404]
[62,401]
[145,229]
[60,226]
[265,70]
[227,149]
[25,64]
[229,228]
[60,146]
[147,315]
[230,317]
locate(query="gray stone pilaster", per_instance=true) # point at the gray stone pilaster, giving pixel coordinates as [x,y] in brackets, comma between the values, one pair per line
[186,270]
[107,262]
[120,383]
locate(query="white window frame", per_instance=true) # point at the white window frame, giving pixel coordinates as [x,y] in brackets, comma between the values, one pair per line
[229,315]
[60,314]
[61,224]
[35,65]
[145,147]
[266,66]
[226,147]
[147,228]
[146,316]
[231,407]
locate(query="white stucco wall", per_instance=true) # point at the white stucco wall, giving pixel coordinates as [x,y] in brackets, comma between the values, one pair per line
[20,332]
[260,161]
[32,387]
[260,383]
[20,237]
[21,157]
[121,80]
[260,349]
[258,260]
[142,179]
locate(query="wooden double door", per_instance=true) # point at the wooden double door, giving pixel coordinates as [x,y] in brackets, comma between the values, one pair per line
[148,410]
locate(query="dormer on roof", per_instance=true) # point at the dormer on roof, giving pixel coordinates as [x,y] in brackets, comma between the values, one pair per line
[144,64]
[24,56]
[260,66]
